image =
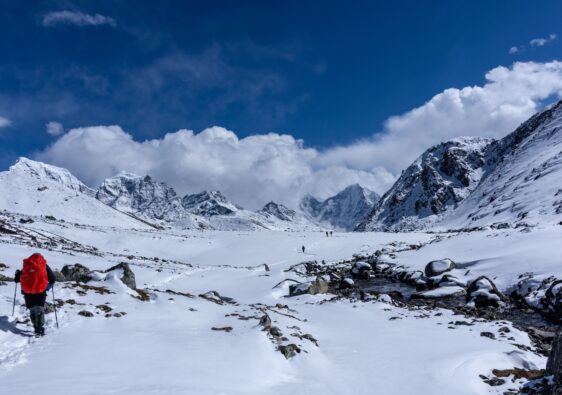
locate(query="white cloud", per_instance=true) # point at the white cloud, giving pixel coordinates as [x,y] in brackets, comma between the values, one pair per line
[76,18]
[513,50]
[4,122]
[256,169]
[542,41]
[54,128]
[250,171]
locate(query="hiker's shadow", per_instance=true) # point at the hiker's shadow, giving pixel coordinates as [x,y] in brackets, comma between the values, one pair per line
[7,326]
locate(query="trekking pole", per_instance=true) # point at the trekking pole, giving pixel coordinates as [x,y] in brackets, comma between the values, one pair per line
[14,304]
[55,306]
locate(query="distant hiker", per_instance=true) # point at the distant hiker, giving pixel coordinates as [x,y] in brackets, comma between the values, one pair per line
[36,277]
[327,234]
[331,233]
[303,249]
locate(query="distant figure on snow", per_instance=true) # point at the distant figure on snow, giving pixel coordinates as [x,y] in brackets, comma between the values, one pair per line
[36,277]
[303,249]
[327,234]
[331,233]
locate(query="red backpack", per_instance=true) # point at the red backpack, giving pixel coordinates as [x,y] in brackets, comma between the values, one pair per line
[33,277]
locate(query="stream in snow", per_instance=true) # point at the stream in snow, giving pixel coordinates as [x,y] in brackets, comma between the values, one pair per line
[522,318]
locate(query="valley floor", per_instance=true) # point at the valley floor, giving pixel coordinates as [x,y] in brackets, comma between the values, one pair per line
[166,345]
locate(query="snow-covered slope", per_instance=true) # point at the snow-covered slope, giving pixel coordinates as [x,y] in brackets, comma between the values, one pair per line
[524,179]
[437,181]
[342,211]
[37,189]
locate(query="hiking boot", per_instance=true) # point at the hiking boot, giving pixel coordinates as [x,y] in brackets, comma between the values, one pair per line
[37,316]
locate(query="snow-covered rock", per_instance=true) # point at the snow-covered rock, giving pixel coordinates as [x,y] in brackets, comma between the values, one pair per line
[482,292]
[344,210]
[435,268]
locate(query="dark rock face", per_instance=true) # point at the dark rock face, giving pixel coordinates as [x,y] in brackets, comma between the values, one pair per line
[435,268]
[76,272]
[484,293]
[554,364]
[208,204]
[438,180]
[128,277]
[279,211]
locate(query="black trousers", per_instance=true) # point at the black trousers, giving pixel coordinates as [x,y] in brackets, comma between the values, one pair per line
[32,300]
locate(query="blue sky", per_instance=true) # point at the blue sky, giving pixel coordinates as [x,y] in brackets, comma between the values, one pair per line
[330,73]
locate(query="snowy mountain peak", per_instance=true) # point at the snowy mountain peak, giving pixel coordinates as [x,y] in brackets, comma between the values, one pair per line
[43,171]
[344,210]
[437,181]
[140,195]
[279,211]
[208,204]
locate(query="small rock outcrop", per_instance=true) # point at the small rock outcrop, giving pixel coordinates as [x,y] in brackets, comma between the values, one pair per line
[289,350]
[435,268]
[126,276]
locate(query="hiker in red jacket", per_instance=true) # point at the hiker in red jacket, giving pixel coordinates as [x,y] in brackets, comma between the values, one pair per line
[36,277]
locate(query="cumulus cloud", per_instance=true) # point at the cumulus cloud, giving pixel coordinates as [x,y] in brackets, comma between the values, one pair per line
[54,128]
[251,170]
[514,50]
[509,96]
[256,169]
[542,41]
[4,122]
[76,18]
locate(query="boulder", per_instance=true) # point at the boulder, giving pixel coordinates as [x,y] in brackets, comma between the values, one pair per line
[59,276]
[435,268]
[554,364]
[319,286]
[359,268]
[76,272]
[482,292]
[126,276]
[347,283]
